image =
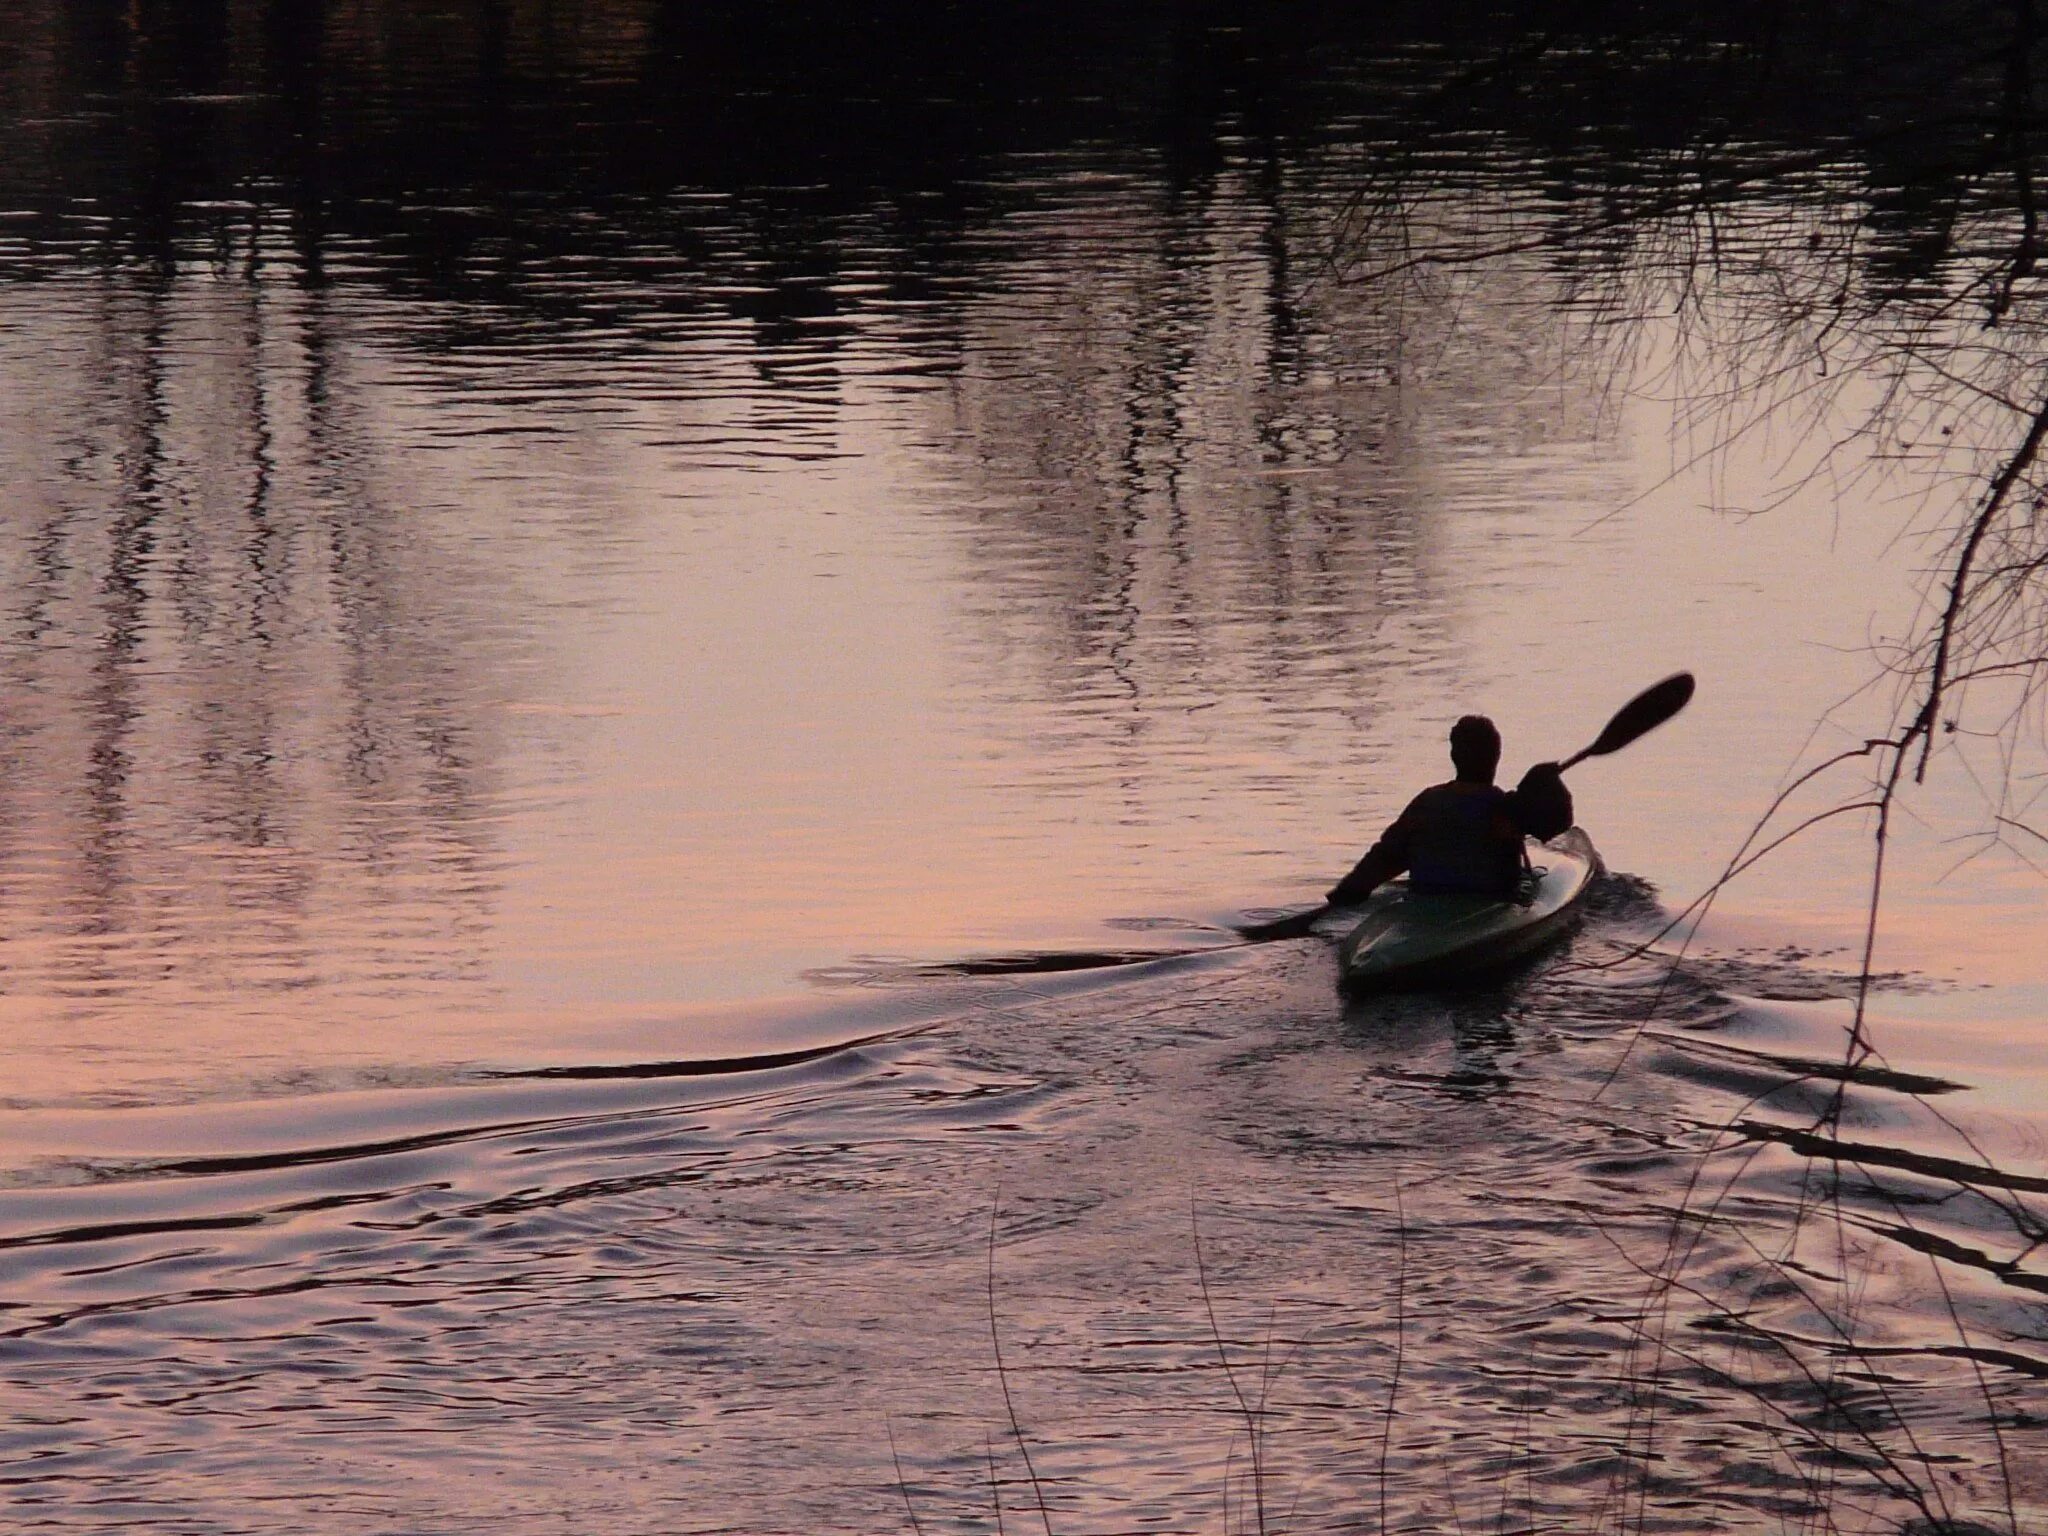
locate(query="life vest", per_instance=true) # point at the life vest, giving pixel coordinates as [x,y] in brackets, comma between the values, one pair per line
[1464,842]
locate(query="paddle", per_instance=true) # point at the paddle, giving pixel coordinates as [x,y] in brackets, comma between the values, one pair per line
[1633,721]
[1638,717]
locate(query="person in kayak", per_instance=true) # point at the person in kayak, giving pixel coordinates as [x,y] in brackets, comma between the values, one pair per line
[1464,837]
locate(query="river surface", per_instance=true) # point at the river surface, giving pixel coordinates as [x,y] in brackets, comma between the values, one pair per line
[545,738]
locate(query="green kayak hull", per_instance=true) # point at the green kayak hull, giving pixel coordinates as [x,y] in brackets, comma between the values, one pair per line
[1407,939]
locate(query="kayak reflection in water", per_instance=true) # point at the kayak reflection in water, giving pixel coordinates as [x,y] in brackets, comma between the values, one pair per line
[1464,837]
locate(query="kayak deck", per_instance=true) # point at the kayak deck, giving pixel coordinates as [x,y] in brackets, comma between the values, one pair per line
[1405,938]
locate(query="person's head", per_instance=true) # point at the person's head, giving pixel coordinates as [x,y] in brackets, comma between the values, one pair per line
[1475,749]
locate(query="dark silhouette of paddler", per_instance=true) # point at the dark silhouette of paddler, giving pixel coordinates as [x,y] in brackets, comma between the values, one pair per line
[1464,837]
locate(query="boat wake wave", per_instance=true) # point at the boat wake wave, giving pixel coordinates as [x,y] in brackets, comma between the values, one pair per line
[695,1268]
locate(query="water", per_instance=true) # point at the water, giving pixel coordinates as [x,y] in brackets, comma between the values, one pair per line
[545,634]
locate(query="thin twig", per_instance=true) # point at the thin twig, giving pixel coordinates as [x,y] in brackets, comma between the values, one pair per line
[1400,1345]
[1003,1376]
[1251,1418]
[902,1483]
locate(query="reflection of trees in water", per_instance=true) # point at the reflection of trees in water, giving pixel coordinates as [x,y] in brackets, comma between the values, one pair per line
[1188,489]
[1148,514]
[246,746]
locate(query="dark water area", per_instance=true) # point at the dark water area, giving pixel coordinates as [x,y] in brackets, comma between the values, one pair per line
[646,654]
[467,139]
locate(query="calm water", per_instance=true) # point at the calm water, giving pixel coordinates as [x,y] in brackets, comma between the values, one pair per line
[519,676]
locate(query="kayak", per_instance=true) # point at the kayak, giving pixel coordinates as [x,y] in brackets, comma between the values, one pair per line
[1407,938]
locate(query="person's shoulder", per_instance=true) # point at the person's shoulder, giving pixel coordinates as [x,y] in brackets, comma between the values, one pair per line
[1466,789]
[1453,790]
[1419,804]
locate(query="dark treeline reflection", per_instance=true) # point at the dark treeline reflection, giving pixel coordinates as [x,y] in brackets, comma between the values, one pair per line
[469,142]
[331,108]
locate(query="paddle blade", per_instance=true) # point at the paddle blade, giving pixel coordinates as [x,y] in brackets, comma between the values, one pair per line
[1641,715]
[1295,925]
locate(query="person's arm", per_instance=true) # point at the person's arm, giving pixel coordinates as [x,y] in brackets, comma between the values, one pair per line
[1383,860]
[1541,805]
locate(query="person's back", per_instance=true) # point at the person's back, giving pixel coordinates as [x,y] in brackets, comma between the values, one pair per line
[1465,836]
[1462,841]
